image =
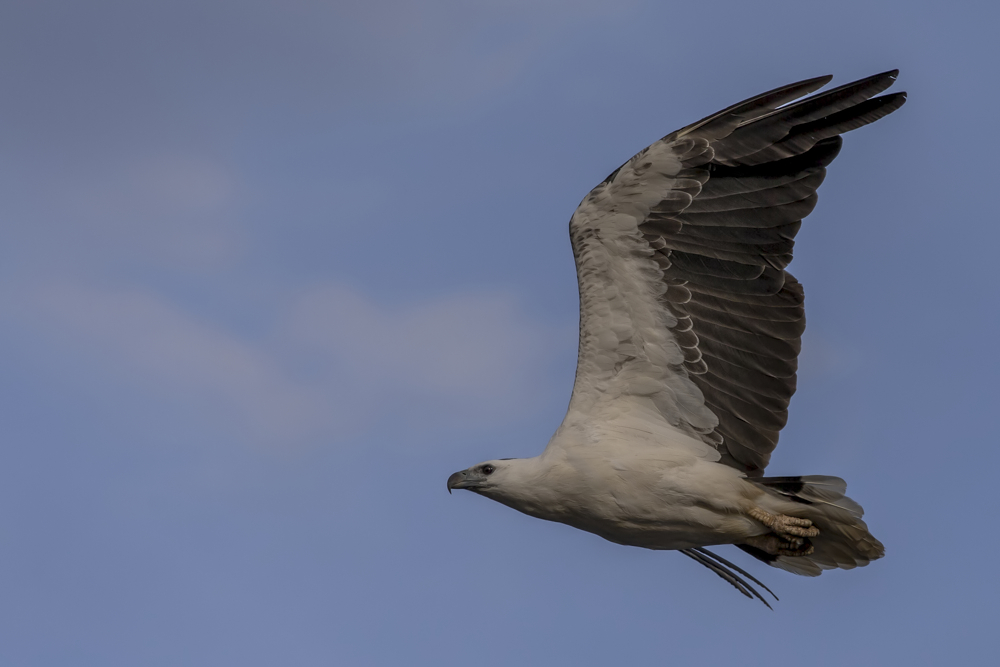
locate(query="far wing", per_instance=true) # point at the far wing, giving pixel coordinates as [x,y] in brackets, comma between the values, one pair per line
[685,304]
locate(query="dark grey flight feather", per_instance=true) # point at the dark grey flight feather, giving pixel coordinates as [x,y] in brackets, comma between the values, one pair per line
[724,238]
[723,122]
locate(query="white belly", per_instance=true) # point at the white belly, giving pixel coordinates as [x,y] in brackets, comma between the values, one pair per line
[652,502]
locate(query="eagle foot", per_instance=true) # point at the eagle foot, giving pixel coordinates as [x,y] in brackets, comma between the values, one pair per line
[780,546]
[785,526]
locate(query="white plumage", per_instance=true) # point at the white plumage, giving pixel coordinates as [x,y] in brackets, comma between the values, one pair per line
[690,330]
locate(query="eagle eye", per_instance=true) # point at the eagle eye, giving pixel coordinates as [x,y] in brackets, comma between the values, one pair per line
[488,469]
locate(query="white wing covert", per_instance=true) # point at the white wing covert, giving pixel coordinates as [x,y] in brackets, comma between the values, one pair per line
[685,303]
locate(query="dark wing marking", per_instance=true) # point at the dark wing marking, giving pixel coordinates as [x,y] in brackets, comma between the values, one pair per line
[724,236]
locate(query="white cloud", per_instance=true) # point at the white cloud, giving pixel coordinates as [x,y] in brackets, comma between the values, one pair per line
[161,209]
[475,349]
[334,363]
[152,346]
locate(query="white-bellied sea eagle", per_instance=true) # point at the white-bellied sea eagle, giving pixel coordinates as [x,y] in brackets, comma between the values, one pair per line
[690,330]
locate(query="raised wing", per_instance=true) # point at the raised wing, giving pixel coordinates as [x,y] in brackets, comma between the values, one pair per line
[685,303]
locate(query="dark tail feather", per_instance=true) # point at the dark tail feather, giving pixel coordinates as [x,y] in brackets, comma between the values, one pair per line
[812,489]
[729,572]
[843,541]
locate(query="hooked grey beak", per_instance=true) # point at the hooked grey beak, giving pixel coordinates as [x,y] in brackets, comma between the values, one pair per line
[465,479]
[455,481]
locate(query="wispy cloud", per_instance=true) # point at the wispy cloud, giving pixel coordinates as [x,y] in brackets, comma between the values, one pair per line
[474,350]
[334,363]
[179,210]
[152,346]
[138,180]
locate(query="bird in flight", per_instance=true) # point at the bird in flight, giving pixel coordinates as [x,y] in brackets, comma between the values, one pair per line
[690,330]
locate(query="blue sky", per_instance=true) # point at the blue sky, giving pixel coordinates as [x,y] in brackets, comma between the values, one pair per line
[271,271]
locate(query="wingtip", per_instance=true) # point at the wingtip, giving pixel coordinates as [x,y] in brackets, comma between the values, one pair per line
[892,75]
[892,101]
